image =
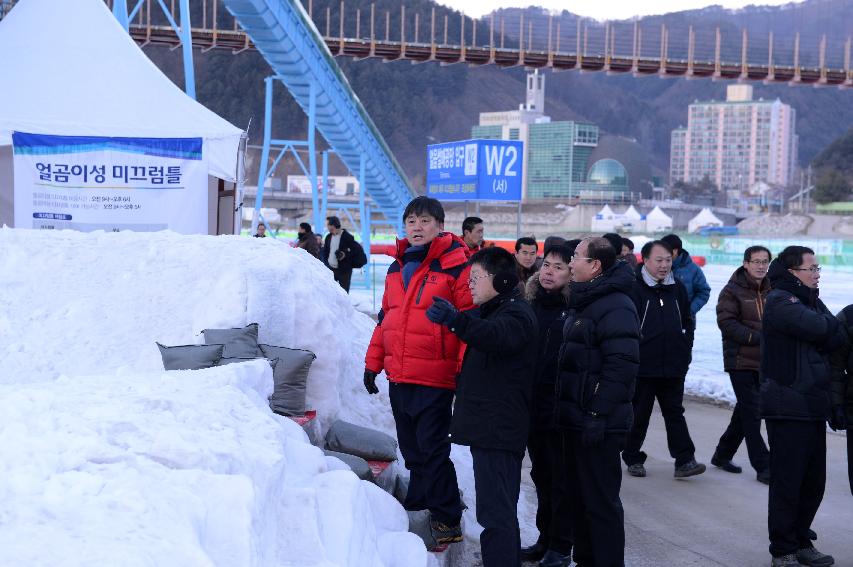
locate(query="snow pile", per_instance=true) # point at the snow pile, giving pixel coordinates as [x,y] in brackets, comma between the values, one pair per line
[107,457]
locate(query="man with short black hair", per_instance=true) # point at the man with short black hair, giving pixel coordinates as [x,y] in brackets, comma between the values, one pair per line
[797,336]
[421,360]
[262,231]
[740,308]
[472,233]
[599,359]
[628,252]
[526,249]
[491,414]
[689,274]
[338,251]
[307,240]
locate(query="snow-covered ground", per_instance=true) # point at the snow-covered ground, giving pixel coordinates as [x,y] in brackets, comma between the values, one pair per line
[106,458]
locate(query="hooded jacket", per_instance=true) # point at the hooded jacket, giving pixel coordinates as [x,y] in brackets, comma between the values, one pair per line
[797,337]
[551,310]
[740,309]
[492,407]
[408,346]
[691,275]
[600,354]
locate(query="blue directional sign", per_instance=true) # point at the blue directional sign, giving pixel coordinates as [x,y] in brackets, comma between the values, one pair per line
[475,170]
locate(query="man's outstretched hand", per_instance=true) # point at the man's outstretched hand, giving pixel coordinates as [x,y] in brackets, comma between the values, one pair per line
[370,382]
[441,312]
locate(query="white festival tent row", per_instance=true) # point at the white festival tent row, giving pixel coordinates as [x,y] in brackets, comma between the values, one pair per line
[704,219]
[62,80]
[658,221]
[606,220]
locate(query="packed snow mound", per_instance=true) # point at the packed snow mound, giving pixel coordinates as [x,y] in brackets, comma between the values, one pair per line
[105,455]
[180,468]
[85,303]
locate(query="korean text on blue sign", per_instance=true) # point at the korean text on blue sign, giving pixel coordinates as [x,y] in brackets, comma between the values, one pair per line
[475,170]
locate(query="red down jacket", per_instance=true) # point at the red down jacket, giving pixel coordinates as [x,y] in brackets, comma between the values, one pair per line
[407,345]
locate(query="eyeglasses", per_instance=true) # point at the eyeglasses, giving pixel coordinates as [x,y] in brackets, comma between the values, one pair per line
[576,257]
[759,262]
[813,269]
[472,281]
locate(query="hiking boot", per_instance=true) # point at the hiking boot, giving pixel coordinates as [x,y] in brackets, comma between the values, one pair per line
[811,556]
[555,559]
[444,534]
[789,560]
[690,468]
[763,477]
[534,552]
[725,464]
[637,469]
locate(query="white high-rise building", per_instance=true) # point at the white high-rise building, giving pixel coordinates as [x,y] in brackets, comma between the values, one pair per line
[736,143]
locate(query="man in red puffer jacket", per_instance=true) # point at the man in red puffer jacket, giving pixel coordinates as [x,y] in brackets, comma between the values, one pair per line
[422,360]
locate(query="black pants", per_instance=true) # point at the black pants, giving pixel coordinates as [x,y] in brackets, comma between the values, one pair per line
[594,476]
[422,416]
[797,482]
[745,423]
[670,395]
[849,455]
[553,514]
[497,479]
[343,276]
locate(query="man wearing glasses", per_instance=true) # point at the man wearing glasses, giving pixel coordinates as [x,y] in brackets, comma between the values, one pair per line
[740,308]
[797,337]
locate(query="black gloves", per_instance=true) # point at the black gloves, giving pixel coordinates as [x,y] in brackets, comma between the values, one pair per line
[838,420]
[370,382]
[441,311]
[592,431]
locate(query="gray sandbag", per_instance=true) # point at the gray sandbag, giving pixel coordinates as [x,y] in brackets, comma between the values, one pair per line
[361,441]
[356,464]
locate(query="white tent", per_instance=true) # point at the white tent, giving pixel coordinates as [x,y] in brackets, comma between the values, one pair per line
[658,221]
[68,68]
[604,220]
[632,221]
[705,218]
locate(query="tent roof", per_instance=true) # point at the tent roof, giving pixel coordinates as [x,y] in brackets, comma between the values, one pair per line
[657,213]
[605,210]
[91,79]
[632,213]
[706,217]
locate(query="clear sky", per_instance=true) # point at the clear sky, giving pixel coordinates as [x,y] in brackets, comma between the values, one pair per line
[602,9]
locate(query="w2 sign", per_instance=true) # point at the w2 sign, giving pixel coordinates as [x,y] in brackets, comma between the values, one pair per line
[475,170]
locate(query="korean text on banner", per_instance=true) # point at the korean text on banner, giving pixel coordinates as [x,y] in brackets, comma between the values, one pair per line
[475,170]
[97,183]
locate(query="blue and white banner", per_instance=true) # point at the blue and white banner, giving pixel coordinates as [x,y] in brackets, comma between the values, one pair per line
[91,183]
[475,170]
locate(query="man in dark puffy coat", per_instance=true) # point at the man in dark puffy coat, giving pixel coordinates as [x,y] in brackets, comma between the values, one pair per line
[492,410]
[797,337]
[548,293]
[842,387]
[598,365]
[739,311]
[421,360]
[666,342]
[688,273]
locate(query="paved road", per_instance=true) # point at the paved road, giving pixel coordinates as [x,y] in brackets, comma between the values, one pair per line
[717,518]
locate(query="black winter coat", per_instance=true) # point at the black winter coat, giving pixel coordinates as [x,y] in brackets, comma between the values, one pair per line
[347,244]
[492,408]
[551,310]
[666,329]
[600,355]
[740,309]
[842,367]
[797,336]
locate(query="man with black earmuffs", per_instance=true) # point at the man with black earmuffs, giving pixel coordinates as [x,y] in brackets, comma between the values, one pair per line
[493,391]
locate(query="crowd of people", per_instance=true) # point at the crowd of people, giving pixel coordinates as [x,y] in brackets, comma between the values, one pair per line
[563,354]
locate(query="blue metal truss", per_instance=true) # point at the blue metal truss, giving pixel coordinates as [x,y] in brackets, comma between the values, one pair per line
[288,40]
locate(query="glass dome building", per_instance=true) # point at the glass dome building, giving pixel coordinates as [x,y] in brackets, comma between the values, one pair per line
[608,172]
